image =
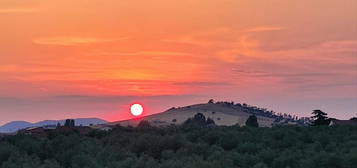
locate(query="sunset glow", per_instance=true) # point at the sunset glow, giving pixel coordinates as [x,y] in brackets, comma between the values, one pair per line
[65,58]
[136,109]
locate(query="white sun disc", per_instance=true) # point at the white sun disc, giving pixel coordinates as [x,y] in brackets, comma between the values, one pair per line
[136,109]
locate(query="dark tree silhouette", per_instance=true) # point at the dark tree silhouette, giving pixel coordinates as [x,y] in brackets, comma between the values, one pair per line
[252,121]
[199,120]
[211,101]
[209,121]
[320,118]
[72,123]
[354,119]
[67,123]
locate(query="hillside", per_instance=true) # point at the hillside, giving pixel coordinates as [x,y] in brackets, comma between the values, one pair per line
[14,126]
[18,125]
[223,113]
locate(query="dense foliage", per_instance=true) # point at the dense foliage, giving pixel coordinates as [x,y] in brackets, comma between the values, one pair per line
[185,146]
[199,120]
[320,118]
[252,121]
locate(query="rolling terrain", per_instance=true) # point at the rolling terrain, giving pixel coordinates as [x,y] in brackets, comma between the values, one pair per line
[223,113]
[18,125]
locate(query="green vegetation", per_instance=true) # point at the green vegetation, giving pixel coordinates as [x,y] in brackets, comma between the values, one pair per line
[320,118]
[191,146]
[252,121]
[69,123]
[199,120]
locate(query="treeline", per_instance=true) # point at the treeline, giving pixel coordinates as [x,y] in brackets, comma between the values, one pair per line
[280,118]
[195,144]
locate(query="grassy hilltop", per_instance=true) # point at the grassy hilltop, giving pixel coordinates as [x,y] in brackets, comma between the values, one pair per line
[223,113]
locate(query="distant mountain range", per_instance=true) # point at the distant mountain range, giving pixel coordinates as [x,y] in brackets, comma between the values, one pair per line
[18,125]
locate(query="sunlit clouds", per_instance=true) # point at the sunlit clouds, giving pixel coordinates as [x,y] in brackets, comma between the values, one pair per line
[17,10]
[73,41]
[290,56]
[265,29]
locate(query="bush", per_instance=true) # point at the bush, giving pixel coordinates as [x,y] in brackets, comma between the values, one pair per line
[252,121]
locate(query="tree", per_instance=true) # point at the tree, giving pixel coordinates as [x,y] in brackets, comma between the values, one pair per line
[72,123]
[260,165]
[354,119]
[50,164]
[252,121]
[211,101]
[199,120]
[209,121]
[67,123]
[320,118]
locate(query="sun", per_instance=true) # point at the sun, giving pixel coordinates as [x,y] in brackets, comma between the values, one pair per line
[136,109]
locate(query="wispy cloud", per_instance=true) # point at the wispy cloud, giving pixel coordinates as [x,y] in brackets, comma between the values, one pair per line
[265,29]
[18,10]
[8,68]
[202,84]
[188,40]
[143,53]
[297,69]
[284,74]
[74,41]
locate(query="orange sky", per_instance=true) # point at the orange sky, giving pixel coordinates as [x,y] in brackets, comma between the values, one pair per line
[86,58]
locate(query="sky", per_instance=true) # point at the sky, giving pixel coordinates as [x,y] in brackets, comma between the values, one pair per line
[93,58]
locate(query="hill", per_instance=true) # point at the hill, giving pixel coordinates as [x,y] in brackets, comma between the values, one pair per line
[18,125]
[14,126]
[223,113]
